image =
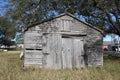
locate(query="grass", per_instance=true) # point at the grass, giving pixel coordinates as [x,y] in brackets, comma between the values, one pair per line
[11,68]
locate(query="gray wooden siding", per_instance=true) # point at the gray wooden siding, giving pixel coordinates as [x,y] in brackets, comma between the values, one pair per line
[72,52]
[67,23]
[53,50]
[94,48]
[33,48]
[33,57]
[63,42]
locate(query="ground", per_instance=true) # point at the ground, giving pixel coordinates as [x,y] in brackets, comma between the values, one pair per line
[11,68]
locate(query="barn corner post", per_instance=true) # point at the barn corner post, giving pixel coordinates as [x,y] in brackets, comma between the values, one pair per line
[94,48]
[85,54]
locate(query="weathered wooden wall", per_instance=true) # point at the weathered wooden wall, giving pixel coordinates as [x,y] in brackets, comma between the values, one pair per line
[63,42]
[94,48]
[33,48]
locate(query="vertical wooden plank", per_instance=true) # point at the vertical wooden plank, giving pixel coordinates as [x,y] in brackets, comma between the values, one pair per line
[58,50]
[60,22]
[53,48]
[63,53]
[63,24]
[69,54]
[78,53]
[66,25]
[59,25]
[66,52]
[70,25]
[82,52]
[47,50]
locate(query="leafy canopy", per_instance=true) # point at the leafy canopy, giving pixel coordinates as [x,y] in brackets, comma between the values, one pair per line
[102,13]
[7,31]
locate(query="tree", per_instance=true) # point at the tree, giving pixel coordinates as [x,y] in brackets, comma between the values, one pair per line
[108,11]
[19,38]
[7,31]
[102,13]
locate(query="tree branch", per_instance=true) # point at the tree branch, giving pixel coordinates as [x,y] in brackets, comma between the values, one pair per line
[113,23]
[117,3]
[106,11]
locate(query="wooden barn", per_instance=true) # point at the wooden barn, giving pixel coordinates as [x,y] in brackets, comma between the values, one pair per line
[62,42]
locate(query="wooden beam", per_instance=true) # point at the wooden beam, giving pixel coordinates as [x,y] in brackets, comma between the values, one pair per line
[69,33]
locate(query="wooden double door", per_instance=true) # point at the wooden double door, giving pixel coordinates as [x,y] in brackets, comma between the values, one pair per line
[72,52]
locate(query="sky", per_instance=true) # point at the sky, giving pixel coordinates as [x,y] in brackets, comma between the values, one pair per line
[2,8]
[109,38]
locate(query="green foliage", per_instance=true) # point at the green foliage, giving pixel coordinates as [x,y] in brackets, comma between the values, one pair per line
[19,38]
[7,31]
[113,56]
[27,11]
[104,14]
[97,12]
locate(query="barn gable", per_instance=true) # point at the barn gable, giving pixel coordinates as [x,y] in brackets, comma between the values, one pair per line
[63,41]
[65,17]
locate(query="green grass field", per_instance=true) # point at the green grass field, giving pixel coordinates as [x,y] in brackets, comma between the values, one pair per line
[11,68]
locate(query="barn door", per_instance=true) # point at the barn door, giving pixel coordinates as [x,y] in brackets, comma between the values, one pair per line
[67,52]
[78,53]
[72,53]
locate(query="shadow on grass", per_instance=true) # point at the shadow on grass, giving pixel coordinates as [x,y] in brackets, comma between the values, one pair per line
[111,57]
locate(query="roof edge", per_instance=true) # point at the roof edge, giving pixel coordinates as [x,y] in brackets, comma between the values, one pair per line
[94,27]
[69,14]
